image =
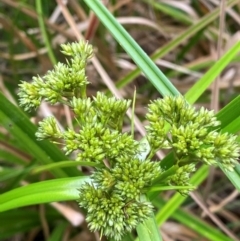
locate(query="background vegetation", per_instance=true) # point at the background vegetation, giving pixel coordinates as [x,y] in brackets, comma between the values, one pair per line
[196,46]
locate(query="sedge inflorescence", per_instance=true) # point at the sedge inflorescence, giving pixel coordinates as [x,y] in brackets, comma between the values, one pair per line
[114,198]
[193,136]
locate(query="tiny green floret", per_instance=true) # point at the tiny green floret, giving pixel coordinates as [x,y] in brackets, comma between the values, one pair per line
[29,94]
[80,49]
[48,128]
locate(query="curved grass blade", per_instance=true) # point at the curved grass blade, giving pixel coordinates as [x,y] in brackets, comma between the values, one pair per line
[63,164]
[44,31]
[194,93]
[158,188]
[62,189]
[58,232]
[18,124]
[152,72]
[229,113]
[175,13]
[148,230]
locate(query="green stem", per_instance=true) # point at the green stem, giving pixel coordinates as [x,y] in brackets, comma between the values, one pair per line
[133,111]
[62,164]
[165,188]
[44,31]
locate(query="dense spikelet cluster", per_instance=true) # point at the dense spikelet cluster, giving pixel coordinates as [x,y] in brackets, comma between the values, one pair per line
[64,81]
[181,178]
[114,198]
[192,134]
[109,213]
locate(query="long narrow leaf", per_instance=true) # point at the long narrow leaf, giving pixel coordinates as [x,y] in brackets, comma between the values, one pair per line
[18,124]
[152,72]
[63,164]
[42,192]
[148,230]
[195,92]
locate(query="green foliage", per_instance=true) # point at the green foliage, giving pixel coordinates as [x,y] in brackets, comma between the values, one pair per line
[115,196]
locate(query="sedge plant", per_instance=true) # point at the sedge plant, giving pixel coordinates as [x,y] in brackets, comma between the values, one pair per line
[115,197]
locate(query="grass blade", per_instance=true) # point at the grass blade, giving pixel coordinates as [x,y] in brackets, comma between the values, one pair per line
[18,124]
[42,192]
[152,72]
[148,230]
[194,93]
[62,164]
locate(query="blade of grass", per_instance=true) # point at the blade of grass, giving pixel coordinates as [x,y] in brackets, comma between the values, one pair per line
[25,173]
[18,124]
[152,72]
[200,64]
[194,93]
[173,12]
[11,158]
[234,126]
[234,176]
[229,113]
[8,173]
[42,192]
[148,230]
[44,31]
[58,232]
[63,164]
